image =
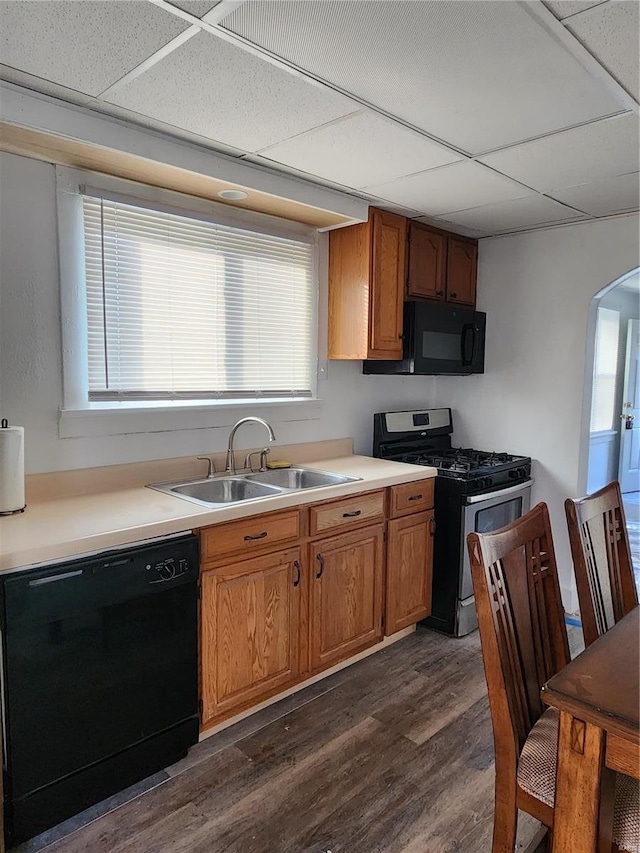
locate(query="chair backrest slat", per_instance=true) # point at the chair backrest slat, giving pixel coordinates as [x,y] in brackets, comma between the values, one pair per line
[521,619]
[601,559]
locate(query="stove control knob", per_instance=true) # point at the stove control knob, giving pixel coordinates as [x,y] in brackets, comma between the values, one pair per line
[488,482]
[518,473]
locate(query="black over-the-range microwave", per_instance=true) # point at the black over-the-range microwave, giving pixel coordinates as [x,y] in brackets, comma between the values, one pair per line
[437,339]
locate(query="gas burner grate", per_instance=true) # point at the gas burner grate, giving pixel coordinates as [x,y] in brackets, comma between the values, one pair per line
[463,460]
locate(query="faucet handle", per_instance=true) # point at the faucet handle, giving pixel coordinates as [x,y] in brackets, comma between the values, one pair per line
[263,459]
[212,465]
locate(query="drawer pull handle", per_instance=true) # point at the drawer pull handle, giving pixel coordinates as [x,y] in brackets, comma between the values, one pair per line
[296,566]
[352,514]
[253,538]
[320,560]
[415,498]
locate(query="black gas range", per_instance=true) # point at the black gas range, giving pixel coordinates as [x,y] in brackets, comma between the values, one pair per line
[475,490]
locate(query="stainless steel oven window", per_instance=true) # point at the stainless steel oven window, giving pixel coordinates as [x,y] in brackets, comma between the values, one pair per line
[484,513]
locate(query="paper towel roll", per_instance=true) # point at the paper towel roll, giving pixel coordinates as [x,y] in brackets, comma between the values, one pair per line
[11,468]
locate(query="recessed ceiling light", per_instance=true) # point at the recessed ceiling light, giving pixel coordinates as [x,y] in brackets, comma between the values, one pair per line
[233,195]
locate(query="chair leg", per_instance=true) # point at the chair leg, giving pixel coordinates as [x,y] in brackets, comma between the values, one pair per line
[505,826]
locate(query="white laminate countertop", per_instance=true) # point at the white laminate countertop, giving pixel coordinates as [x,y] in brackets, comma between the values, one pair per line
[71,526]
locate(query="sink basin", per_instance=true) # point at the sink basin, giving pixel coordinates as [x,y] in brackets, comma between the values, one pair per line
[299,478]
[224,490]
[218,492]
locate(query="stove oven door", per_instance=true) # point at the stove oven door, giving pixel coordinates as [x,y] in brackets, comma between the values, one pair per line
[483,514]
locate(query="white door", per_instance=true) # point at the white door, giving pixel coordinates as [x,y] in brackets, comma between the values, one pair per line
[629,473]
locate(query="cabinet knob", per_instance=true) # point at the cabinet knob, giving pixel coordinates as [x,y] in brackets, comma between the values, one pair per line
[454,295]
[439,292]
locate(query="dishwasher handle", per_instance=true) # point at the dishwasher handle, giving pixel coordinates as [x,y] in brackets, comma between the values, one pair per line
[54,578]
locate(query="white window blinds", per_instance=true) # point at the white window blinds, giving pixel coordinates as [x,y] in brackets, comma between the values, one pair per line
[605,369]
[183,308]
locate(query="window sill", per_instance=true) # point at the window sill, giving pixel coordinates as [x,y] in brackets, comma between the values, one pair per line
[103,419]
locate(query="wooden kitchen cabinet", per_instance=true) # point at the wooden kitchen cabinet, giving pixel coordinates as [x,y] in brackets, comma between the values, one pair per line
[442,267]
[250,624]
[367,268]
[290,593]
[345,595]
[411,530]
[427,267]
[409,570]
[462,267]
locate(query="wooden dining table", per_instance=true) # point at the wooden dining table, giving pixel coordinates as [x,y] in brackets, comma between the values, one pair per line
[598,700]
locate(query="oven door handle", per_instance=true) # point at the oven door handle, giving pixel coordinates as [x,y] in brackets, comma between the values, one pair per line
[464,337]
[510,490]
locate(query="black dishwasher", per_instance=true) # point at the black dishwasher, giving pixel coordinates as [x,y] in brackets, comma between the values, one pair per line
[100,677]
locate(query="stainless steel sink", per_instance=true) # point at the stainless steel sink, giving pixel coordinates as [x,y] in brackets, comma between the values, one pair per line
[225,490]
[218,492]
[299,478]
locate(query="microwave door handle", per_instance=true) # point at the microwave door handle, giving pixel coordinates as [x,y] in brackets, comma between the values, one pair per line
[468,327]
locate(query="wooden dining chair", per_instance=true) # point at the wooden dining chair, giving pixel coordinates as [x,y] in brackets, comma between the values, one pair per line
[601,559]
[524,643]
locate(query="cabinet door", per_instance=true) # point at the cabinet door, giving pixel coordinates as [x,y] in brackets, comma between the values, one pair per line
[388,259]
[249,631]
[346,595]
[427,262]
[462,263]
[409,570]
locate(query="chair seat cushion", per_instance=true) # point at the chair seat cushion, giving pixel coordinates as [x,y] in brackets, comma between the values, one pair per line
[537,776]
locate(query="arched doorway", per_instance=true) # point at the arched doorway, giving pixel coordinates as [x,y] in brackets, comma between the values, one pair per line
[613,389]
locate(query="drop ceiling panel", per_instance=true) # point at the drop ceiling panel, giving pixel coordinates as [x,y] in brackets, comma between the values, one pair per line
[513,215]
[611,32]
[600,198]
[564,8]
[199,8]
[84,45]
[361,149]
[477,75]
[210,87]
[607,147]
[450,188]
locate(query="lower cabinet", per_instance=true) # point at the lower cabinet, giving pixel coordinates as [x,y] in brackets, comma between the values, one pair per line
[409,570]
[345,595]
[249,631]
[285,595]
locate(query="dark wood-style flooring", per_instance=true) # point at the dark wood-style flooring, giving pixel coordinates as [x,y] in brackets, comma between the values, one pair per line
[392,755]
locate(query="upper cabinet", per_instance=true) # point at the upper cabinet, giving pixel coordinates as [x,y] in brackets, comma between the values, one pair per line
[367,264]
[462,268]
[442,266]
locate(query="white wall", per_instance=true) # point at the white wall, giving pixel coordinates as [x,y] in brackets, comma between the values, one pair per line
[536,289]
[30,355]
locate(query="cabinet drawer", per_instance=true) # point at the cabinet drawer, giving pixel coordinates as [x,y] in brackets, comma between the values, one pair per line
[249,534]
[349,512]
[411,497]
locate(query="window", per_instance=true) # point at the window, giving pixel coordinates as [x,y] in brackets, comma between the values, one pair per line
[605,369]
[183,308]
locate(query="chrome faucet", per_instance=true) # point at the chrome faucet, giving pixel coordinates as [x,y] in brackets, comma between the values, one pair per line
[230,465]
